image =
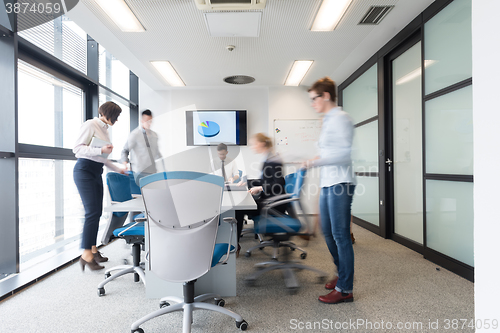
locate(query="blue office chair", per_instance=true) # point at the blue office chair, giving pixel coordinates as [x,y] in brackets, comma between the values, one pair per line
[293,187]
[183,211]
[132,233]
[134,188]
[281,227]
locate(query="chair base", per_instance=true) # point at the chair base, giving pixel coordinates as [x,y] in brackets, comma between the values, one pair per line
[276,245]
[288,269]
[137,269]
[188,306]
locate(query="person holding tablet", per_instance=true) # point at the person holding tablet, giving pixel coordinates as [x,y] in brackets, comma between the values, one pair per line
[92,148]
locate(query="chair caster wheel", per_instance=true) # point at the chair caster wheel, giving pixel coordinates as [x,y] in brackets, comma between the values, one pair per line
[107,275]
[242,325]
[125,261]
[303,255]
[293,290]
[292,249]
[139,330]
[248,254]
[164,304]
[100,292]
[220,302]
[321,279]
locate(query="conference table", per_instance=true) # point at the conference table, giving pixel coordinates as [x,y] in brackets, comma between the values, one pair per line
[221,279]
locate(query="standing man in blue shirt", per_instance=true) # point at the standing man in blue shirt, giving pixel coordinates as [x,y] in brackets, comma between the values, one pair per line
[337,187]
[142,145]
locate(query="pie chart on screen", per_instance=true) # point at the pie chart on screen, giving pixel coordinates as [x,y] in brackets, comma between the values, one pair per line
[208,129]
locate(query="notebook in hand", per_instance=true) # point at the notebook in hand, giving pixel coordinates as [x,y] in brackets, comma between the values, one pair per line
[98,143]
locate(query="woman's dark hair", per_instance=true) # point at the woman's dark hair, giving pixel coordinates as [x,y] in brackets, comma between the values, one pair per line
[110,111]
[147,113]
[325,85]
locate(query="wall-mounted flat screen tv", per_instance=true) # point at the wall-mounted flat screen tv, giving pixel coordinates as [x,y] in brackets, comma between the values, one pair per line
[211,127]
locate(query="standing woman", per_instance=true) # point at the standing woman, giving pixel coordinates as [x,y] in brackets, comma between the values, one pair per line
[337,187]
[88,178]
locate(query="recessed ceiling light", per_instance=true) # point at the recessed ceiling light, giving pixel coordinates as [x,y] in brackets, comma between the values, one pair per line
[298,71]
[121,14]
[168,72]
[329,14]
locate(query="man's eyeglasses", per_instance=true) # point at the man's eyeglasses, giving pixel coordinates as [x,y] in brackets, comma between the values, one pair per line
[314,98]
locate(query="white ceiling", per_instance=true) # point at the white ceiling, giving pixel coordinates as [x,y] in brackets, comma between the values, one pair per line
[176,31]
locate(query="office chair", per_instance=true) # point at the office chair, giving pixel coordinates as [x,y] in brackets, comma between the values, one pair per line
[134,188]
[133,232]
[183,211]
[293,186]
[281,227]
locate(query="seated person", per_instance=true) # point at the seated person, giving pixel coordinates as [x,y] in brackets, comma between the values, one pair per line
[270,183]
[221,166]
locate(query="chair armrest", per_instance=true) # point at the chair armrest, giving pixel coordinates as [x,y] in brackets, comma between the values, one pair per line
[277,197]
[278,203]
[232,221]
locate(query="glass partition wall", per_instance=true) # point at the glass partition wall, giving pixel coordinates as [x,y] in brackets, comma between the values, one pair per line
[413,147]
[360,100]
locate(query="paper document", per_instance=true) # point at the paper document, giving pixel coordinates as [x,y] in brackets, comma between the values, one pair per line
[98,143]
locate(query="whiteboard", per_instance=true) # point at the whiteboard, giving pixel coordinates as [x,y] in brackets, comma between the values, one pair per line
[296,139]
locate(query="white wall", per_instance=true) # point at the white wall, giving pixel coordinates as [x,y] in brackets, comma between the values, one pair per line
[294,103]
[486,74]
[170,123]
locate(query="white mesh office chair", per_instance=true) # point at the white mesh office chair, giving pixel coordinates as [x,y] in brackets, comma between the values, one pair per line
[182,210]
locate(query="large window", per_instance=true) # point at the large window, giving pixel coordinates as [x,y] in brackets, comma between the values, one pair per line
[40,131]
[61,38]
[50,210]
[113,73]
[50,110]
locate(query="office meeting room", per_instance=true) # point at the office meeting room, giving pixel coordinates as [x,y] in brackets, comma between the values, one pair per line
[249,165]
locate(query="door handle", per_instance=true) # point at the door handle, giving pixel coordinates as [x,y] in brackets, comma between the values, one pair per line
[388,161]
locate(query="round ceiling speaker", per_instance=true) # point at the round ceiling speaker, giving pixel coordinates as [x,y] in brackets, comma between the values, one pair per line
[239,79]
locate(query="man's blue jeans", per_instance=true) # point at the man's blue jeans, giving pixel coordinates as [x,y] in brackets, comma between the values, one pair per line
[335,213]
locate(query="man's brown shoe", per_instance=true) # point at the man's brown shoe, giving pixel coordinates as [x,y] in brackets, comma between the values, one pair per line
[353,240]
[336,297]
[331,285]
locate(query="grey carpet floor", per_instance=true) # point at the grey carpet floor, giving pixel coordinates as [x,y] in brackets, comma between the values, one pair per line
[393,286]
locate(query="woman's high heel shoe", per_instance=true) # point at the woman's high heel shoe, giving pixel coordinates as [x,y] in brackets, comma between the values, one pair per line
[93,265]
[99,258]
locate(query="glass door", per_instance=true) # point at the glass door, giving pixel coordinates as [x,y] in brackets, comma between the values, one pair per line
[404,164]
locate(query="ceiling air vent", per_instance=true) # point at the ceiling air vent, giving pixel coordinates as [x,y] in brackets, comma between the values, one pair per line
[375,14]
[230,4]
[239,79]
